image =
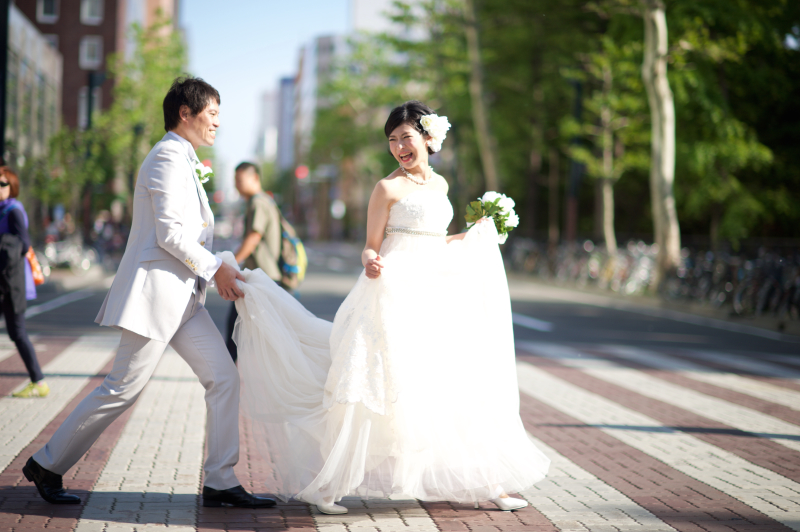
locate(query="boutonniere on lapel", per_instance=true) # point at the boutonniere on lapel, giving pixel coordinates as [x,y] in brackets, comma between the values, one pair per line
[204,173]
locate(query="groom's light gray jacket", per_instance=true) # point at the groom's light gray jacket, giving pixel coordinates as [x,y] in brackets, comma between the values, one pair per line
[169,247]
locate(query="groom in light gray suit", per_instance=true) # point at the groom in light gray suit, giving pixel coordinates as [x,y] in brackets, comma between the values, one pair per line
[157,300]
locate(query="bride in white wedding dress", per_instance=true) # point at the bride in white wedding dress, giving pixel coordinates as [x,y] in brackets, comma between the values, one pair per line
[412,389]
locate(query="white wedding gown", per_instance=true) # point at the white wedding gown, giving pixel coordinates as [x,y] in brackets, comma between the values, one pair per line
[411,390]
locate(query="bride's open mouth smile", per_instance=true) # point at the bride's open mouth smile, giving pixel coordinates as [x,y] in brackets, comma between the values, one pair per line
[405,158]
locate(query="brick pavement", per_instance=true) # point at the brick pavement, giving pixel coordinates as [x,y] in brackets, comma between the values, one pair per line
[641,440]
[66,374]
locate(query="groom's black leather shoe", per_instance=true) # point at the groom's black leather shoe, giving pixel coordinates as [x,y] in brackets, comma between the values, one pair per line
[48,483]
[234,497]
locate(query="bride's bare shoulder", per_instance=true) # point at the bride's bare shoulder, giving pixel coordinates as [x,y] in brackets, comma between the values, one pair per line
[441,182]
[388,188]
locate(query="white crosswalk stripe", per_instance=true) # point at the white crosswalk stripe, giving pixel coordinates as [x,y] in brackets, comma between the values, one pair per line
[748,365]
[733,415]
[570,494]
[152,477]
[772,494]
[738,383]
[21,420]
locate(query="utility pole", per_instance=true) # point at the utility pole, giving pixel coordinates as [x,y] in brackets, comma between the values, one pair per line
[5,6]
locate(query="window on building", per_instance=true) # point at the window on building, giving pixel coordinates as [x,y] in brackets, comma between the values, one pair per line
[83,105]
[92,12]
[52,38]
[47,11]
[91,52]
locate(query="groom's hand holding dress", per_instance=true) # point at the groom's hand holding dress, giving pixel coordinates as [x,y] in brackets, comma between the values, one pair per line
[156,300]
[225,279]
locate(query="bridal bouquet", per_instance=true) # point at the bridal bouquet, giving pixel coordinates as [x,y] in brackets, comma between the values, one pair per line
[498,207]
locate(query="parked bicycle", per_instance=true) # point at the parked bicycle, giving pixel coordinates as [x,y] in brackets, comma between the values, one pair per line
[766,285]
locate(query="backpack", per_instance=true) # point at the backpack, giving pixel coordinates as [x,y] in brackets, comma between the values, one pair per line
[36,268]
[293,260]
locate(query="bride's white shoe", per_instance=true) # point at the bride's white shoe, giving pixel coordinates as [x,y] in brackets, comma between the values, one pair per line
[509,503]
[331,509]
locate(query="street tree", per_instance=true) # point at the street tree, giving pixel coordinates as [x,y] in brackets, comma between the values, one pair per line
[614,128]
[662,120]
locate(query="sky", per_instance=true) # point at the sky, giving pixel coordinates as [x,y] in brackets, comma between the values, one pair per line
[242,48]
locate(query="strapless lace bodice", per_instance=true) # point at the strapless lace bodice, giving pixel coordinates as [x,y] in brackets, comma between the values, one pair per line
[422,210]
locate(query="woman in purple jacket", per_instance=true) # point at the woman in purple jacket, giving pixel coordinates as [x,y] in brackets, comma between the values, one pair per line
[14,220]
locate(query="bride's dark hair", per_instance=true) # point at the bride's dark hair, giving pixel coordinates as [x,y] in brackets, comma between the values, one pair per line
[409,113]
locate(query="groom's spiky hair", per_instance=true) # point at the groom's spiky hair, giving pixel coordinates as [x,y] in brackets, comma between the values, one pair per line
[194,93]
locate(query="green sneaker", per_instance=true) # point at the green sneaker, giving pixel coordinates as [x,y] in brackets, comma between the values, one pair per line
[34,389]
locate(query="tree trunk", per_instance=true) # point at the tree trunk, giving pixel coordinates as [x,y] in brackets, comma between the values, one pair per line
[479,114]
[607,183]
[608,216]
[662,165]
[552,201]
[713,231]
[536,153]
[534,179]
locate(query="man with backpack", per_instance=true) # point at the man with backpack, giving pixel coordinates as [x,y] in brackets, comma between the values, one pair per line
[261,246]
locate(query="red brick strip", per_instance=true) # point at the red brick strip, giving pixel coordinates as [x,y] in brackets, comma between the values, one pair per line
[682,502]
[12,370]
[21,508]
[253,471]
[464,517]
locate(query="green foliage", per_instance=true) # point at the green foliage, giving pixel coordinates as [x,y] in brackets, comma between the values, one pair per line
[714,145]
[140,85]
[615,126]
[114,146]
[734,81]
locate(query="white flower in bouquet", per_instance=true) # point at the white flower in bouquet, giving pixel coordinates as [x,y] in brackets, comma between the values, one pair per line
[436,126]
[512,220]
[498,207]
[491,196]
[506,203]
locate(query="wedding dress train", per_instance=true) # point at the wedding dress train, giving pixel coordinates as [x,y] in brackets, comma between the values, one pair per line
[411,390]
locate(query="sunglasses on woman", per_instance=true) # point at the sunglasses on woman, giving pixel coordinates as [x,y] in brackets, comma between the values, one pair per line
[4,184]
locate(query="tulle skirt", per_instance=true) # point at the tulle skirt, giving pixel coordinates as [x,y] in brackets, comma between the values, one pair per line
[411,390]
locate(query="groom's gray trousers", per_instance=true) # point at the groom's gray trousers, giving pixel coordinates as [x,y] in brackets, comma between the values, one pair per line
[200,344]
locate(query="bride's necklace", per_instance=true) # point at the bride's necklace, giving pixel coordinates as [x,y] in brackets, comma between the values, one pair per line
[413,179]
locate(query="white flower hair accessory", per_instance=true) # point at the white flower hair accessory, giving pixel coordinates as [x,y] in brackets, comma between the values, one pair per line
[436,126]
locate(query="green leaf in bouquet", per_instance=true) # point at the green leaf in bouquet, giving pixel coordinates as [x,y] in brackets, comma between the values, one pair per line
[474,212]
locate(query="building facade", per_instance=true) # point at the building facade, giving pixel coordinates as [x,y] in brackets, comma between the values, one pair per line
[86,33]
[267,136]
[33,97]
[285,141]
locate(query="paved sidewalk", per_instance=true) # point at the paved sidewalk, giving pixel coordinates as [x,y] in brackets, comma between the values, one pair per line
[643,440]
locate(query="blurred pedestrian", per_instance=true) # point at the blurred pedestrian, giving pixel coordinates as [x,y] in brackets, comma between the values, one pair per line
[16,279]
[261,247]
